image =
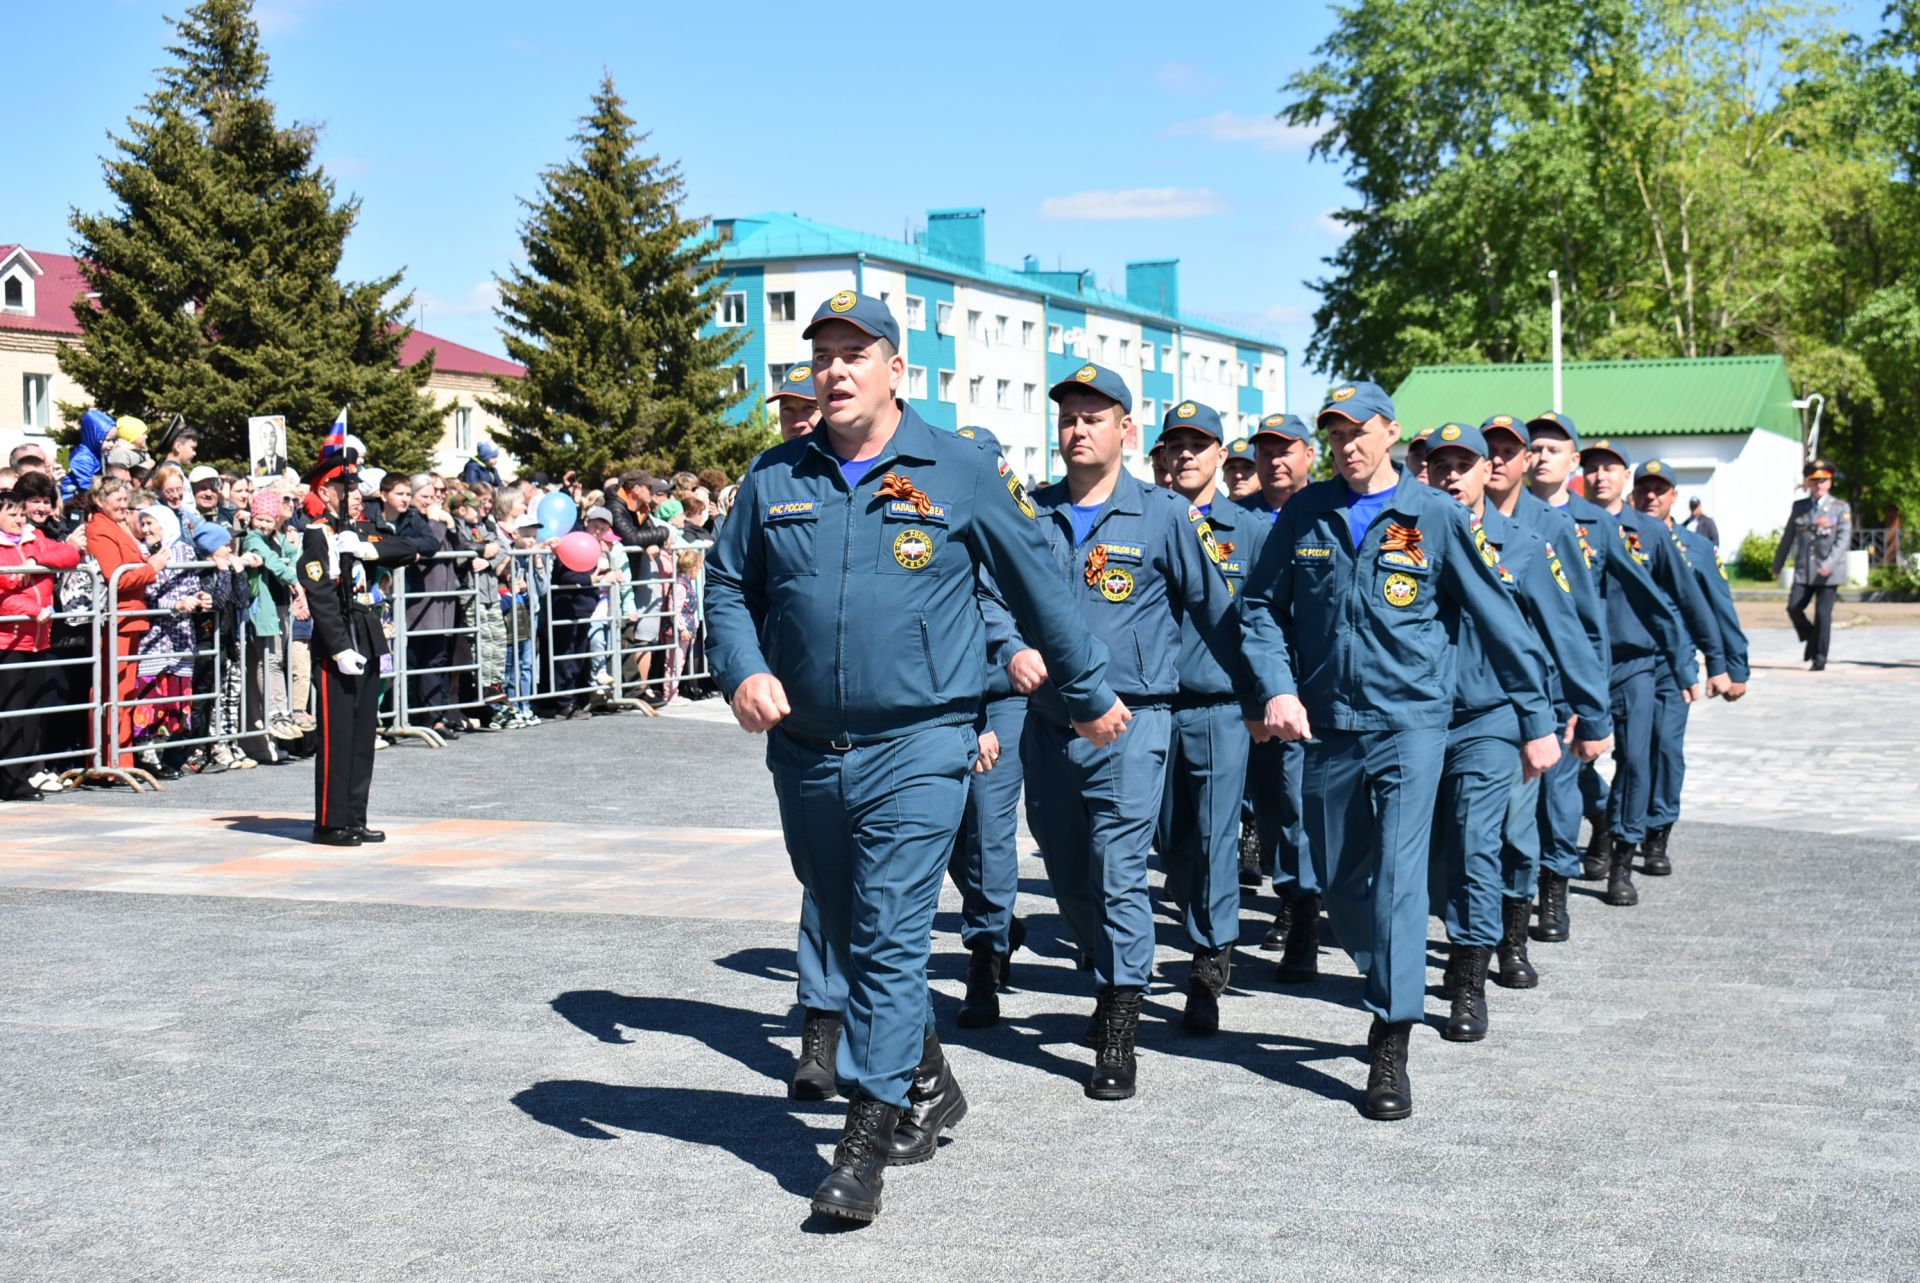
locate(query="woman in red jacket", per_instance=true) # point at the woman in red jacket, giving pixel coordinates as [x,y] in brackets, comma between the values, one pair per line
[26,603]
[112,545]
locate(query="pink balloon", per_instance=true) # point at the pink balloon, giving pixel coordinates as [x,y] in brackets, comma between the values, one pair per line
[578,551]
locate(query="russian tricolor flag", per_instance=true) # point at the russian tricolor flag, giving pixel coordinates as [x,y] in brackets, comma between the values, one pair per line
[336,443]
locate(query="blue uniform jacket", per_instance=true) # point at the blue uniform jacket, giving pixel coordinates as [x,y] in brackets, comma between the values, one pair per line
[1239,533]
[1371,633]
[1667,562]
[1142,571]
[1543,588]
[1641,621]
[1712,574]
[865,607]
[1003,637]
[1556,528]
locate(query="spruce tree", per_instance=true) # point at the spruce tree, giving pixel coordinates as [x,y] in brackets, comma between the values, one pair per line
[607,316]
[216,295]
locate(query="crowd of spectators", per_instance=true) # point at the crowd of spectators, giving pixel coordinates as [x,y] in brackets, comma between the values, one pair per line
[205,667]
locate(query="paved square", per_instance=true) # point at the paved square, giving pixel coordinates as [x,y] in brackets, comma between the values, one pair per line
[277,1062]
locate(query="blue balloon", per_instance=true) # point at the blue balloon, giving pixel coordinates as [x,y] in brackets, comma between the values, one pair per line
[558,513]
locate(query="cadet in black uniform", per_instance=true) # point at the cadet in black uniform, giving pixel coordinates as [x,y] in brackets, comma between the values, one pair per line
[347,644]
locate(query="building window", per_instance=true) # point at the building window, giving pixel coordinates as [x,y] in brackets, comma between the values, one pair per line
[1056,338]
[1166,359]
[976,390]
[740,380]
[1029,397]
[16,295]
[943,319]
[1026,335]
[1003,393]
[1126,351]
[1102,349]
[1146,356]
[916,313]
[1146,410]
[976,327]
[886,296]
[917,382]
[1223,369]
[777,375]
[780,306]
[1000,330]
[36,400]
[733,308]
[946,386]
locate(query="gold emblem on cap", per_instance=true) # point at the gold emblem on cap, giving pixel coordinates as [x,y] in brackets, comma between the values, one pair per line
[1502,420]
[1653,467]
[1187,410]
[1239,444]
[1450,433]
[843,301]
[1341,394]
[967,433]
[1086,374]
[800,374]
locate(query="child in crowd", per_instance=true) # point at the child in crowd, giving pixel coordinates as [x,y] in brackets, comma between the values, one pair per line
[521,607]
[269,558]
[684,621]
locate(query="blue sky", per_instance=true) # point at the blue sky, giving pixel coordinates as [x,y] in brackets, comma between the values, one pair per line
[439,117]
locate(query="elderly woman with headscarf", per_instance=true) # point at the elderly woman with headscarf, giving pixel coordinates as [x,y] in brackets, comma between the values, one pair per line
[163,697]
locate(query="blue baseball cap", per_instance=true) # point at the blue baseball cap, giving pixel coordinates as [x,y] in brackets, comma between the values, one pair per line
[1508,424]
[1241,448]
[974,432]
[1358,402]
[862,311]
[1460,436]
[798,383]
[1659,469]
[1604,446]
[1290,426]
[1196,415]
[1097,378]
[1555,419]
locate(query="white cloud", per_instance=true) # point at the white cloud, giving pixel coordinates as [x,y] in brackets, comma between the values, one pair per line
[1331,225]
[279,17]
[1184,78]
[478,301]
[1138,203]
[1268,133]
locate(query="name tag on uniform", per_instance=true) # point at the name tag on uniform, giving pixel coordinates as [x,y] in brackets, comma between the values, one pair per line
[911,512]
[1401,559]
[1311,553]
[790,508]
[1231,568]
[1125,552]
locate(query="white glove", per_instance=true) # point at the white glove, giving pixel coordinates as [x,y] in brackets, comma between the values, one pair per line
[354,546]
[351,663]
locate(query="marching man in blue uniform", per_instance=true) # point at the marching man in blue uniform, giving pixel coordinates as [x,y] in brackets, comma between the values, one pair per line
[1207,761]
[1364,579]
[842,607]
[1137,562]
[1490,722]
[1653,495]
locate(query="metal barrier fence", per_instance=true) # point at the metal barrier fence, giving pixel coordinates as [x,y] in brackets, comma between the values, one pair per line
[53,669]
[1881,544]
[198,678]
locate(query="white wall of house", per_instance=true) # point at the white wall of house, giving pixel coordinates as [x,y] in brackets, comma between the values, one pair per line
[1745,481]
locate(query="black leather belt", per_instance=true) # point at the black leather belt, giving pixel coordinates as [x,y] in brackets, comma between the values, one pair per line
[829,746]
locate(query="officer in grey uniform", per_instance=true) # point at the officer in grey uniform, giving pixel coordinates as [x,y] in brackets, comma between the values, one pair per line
[1818,534]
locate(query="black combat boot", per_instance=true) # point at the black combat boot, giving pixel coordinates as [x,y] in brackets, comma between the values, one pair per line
[819,1047]
[1114,1068]
[986,976]
[1516,970]
[1620,876]
[1389,1090]
[1249,854]
[1276,937]
[1300,964]
[1091,1038]
[1212,969]
[852,1189]
[1554,926]
[1593,865]
[1653,853]
[1468,973]
[935,1104]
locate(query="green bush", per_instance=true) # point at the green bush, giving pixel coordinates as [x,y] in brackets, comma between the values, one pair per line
[1756,556]
[1902,580]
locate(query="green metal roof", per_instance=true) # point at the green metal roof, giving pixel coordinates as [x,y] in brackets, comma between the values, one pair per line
[762,237]
[1677,397]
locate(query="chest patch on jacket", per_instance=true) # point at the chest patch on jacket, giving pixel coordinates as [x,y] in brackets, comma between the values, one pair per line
[913,548]
[1400,590]
[790,508]
[1116,584]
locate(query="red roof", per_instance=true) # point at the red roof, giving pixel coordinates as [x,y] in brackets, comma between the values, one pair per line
[60,282]
[54,290]
[455,358]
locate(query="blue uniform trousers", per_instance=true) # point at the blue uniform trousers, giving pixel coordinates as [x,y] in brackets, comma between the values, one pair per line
[822,987]
[1633,715]
[1670,711]
[1200,834]
[1093,810]
[869,831]
[986,859]
[1593,790]
[1369,817]
[1273,793]
[1520,843]
[1558,816]
[1476,789]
